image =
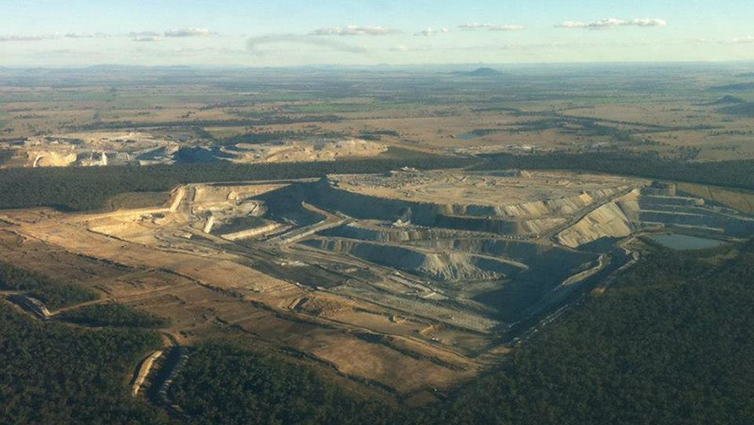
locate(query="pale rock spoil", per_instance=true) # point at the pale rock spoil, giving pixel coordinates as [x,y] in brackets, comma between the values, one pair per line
[606,221]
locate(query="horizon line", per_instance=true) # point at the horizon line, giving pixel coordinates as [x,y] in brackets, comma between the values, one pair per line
[382,65]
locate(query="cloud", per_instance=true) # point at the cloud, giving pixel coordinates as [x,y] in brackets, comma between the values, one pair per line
[144,34]
[614,23]
[472,26]
[646,22]
[151,36]
[147,38]
[255,44]
[10,38]
[507,28]
[429,32]
[354,30]
[739,40]
[95,35]
[189,32]
[72,36]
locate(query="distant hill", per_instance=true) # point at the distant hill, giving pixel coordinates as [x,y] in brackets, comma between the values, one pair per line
[728,100]
[734,87]
[745,109]
[480,72]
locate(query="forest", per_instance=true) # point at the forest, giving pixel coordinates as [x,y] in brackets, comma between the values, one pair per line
[89,188]
[52,373]
[734,174]
[54,294]
[224,384]
[113,314]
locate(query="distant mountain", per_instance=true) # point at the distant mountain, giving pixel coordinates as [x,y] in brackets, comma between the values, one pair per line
[480,72]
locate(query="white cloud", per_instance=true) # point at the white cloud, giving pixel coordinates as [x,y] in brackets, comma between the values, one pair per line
[189,32]
[354,30]
[144,34]
[471,26]
[507,28]
[95,35]
[5,38]
[429,32]
[739,40]
[147,38]
[77,36]
[646,22]
[613,23]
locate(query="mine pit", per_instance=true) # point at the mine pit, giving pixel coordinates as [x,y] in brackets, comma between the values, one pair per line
[101,149]
[444,265]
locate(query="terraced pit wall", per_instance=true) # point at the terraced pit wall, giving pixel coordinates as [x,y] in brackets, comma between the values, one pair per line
[526,218]
[443,267]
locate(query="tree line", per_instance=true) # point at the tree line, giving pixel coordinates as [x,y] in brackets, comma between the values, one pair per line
[80,189]
[113,314]
[735,174]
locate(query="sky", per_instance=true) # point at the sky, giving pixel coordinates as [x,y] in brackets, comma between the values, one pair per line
[272,33]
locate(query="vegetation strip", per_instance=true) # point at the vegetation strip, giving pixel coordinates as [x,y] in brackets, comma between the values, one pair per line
[90,188]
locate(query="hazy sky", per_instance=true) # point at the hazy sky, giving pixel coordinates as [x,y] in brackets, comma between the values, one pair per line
[297,32]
